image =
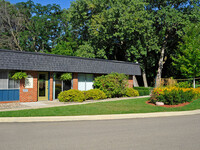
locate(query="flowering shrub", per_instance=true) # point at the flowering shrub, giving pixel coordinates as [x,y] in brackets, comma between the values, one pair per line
[174,95]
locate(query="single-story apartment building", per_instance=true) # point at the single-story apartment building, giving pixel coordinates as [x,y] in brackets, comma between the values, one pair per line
[44,70]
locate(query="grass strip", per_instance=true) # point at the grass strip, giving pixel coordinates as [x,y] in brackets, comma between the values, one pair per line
[101,108]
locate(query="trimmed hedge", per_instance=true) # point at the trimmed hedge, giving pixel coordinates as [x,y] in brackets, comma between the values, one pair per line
[130,92]
[71,96]
[95,94]
[143,90]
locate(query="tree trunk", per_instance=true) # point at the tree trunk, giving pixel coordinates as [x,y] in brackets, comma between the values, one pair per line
[194,82]
[160,67]
[160,64]
[7,19]
[135,83]
[144,79]
[16,41]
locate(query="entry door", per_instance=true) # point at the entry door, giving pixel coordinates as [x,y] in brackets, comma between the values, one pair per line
[43,86]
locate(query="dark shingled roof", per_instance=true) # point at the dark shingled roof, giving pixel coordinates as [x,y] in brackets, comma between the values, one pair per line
[16,60]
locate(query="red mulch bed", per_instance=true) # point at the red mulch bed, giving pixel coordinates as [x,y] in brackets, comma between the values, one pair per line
[169,106]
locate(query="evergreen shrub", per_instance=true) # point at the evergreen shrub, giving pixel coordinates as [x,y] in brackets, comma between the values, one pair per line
[71,96]
[94,94]
[143,90]
[113,85]
[130,92]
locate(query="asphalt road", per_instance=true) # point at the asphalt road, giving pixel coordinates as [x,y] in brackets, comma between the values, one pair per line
[167,133]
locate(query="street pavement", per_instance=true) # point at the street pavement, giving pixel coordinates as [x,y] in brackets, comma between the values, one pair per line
[161,133]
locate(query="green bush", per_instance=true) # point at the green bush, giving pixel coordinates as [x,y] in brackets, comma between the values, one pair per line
[113,85]
[71,96]
[66,76]
[19,75]
[143,90]
[130,92]
[94,94]
[185,84]
[173,97]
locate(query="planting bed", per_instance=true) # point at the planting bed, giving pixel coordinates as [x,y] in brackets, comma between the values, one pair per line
[168,106]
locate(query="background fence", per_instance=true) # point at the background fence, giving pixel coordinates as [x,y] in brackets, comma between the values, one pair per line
[180,82]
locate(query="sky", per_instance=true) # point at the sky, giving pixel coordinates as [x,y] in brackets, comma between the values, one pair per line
[62,3]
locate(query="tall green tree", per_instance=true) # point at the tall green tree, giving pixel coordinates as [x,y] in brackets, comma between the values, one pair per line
[170,17]
[29,26]
[188,55]
[11,25]
[85,50]
[64,48]
[42,26]
[119,30]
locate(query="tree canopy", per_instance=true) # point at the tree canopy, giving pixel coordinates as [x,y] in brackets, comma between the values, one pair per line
[147,32]
[188,54]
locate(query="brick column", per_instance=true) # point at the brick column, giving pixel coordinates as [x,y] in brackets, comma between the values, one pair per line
[51,87]
[75,81]
[130,81]
[29,94]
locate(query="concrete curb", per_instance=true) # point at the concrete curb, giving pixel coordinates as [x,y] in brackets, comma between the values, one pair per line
[98,117]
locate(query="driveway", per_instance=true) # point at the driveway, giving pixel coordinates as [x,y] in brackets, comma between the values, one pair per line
[167,133]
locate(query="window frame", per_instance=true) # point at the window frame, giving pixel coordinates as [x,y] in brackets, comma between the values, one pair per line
[85,80]
[8,81]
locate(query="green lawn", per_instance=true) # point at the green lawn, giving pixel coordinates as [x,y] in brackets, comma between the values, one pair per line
[115,107]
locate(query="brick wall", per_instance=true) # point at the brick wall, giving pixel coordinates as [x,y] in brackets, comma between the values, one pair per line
[75,81]
[130,81]
[31,95]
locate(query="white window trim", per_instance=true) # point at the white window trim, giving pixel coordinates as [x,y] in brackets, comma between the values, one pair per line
[85,79]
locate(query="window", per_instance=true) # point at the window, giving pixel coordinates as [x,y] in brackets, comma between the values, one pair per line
[6,82]
[60,85]
[3,80]
[13,84]
[85,82]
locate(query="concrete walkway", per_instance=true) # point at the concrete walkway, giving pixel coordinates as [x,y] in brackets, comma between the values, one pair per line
[54,103]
